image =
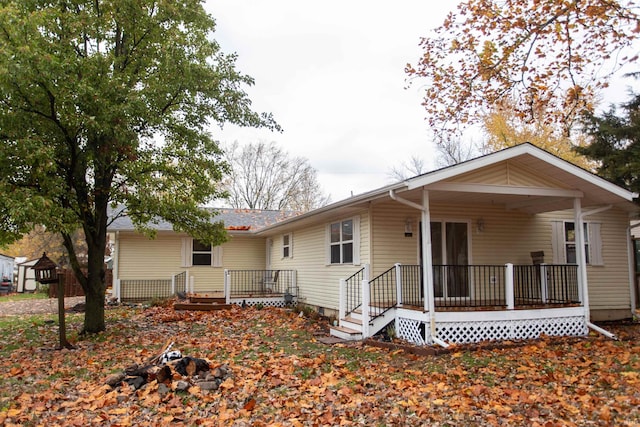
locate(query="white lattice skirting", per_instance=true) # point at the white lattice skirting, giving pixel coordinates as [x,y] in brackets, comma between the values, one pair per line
[264,302]
[417,332]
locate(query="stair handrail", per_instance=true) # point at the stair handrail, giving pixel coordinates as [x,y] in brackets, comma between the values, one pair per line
[381,287]
[350,291]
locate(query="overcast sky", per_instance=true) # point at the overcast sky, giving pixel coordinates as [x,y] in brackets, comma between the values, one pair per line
[332,74]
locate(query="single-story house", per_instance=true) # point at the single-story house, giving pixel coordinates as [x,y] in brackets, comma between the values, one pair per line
[510,245]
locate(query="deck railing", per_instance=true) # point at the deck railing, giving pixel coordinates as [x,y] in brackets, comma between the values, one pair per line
[496,287]
[144,290]
[261,282]
[546,284]
[469,285]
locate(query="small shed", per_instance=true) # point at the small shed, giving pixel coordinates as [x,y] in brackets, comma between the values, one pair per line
[26,277]
[7,264]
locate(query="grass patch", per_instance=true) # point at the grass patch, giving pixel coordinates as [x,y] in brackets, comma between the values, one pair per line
[22,297]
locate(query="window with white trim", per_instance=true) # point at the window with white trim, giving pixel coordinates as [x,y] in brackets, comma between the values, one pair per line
[287,245]
[195,252]
[341,242]
[201,253]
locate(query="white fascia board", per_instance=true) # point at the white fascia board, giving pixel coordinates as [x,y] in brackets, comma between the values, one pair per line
[504,189]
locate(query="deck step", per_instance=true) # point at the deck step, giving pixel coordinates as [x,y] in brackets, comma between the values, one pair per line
[209,300]
[345,333]
[353,320]
[200,306]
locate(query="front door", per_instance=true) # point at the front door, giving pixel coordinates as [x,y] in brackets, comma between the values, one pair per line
[450,258]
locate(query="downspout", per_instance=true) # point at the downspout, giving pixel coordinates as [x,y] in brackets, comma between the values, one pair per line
[583,268]
[426,259]
[632,268]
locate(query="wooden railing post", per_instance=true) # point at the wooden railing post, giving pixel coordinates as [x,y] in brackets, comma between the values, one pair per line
[543,283]
[508,284]
[398,284]
[366,298]
[173,284]
[227,287]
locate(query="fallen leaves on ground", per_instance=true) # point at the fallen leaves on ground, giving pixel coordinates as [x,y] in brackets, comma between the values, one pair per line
[282,376]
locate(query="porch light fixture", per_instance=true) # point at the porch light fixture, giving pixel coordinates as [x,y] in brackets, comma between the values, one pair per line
[408,228]
[480,225]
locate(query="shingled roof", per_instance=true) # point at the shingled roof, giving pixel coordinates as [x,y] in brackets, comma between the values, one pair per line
[235,220]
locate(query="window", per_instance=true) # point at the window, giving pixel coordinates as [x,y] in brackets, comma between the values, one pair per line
[201,253]
[287,246]
[341,242]
[195,252]
[570,245]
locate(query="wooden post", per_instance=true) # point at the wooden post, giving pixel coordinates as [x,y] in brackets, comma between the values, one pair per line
[61,319]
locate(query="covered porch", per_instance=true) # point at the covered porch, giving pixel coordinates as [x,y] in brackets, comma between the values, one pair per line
[471,303]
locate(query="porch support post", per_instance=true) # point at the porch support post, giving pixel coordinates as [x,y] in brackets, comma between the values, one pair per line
[227,287]
[173,284]
[342,308]
[116,285]
[581,256]
[398,267]
[427,263]
[508,286]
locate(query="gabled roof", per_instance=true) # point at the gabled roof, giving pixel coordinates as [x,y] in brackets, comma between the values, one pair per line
[235,220]
[562,183]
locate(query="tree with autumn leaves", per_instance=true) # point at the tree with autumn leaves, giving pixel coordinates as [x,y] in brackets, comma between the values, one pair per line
[549,59]
[107,103]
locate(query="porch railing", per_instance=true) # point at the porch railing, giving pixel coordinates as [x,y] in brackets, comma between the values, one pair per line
[260,282]
[469,285]
[496,287]
[552,284]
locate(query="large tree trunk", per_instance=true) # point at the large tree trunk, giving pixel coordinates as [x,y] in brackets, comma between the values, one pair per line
[94,293]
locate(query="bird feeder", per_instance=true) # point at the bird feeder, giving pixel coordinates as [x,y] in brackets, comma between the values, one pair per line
[46,270]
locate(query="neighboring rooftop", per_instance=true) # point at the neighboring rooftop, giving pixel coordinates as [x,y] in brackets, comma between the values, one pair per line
[233,219]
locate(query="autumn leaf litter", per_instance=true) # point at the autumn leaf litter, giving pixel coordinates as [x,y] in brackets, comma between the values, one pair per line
[280,374]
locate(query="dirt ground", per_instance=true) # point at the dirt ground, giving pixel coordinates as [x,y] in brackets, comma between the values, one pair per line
[36,306]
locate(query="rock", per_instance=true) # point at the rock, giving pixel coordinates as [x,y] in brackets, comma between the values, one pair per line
[163,389]
[135,382]
[114,380]
[208,385]
[181,385]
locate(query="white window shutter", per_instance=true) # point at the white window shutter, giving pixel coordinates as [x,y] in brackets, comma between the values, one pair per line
[290,245]
[595,244]
[187,250]
[356,240]
[557,242]
[327,244]
[216,256]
